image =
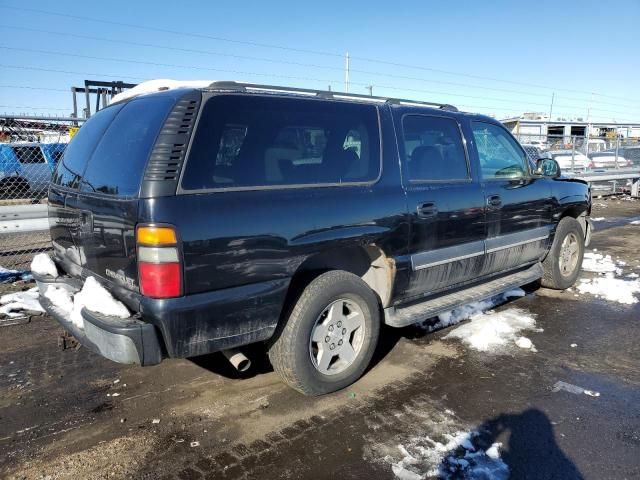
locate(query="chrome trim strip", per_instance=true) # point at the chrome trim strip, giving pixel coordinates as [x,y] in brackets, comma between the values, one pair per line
[441,256]
[510,240]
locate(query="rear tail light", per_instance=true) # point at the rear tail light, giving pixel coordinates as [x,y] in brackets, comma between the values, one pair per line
[590,164]
[159,266]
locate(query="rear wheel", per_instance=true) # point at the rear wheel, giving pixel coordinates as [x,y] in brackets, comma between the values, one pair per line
[330,335]
[563,262]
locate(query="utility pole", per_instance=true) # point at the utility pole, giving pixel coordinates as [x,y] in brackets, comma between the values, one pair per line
[370,88]
[346,73]
[553,95]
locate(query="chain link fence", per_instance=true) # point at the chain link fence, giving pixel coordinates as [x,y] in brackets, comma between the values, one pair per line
[30,149]
[581,154]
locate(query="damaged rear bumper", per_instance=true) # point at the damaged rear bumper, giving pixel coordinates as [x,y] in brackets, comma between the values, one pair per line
[123,340]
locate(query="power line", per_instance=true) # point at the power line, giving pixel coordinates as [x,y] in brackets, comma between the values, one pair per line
[300,50]
[302,64]
[289,77]
[70,72]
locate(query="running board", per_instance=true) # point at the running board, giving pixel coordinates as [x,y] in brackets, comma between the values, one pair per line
[403,316]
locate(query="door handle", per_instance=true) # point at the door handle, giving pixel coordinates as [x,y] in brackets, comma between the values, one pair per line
[494,201]
[427,210]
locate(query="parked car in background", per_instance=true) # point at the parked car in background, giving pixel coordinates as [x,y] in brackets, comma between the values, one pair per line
[26,168]
[608,159]
[631,153]
[569,159]
[533,151]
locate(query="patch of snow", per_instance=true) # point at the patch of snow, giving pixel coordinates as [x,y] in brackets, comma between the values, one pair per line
[455,457]
[635,222]
[43,265]
[96,298]
[60,297]
[598,263]
[598,219]
[611,289]
[633,275]
[14,302]
[153,86]
[491,330]
[471,310]
[524,342]
[573,345]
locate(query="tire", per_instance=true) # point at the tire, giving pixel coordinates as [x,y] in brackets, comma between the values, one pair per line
[316,351]
[562,264]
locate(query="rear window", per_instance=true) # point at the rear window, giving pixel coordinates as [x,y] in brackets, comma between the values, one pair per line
[109,153]
[245,141]
[29,154]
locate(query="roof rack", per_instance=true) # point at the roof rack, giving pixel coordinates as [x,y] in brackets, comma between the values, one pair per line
[231,86]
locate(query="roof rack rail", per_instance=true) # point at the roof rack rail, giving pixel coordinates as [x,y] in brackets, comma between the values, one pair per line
[254,87]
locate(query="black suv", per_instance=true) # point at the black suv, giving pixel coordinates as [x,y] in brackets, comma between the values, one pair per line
[240,213]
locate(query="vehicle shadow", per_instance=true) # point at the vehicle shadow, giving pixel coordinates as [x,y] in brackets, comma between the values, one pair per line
[218,364]
[530,452]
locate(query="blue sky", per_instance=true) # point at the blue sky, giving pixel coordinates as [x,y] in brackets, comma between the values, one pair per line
[500,57]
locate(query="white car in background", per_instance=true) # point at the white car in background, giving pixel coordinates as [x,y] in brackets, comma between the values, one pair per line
[607,159]
[569,159]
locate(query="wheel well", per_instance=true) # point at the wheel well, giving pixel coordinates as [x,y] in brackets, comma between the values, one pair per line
[580,214]
[368,262]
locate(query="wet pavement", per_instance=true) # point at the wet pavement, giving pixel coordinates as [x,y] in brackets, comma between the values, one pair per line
[71,414]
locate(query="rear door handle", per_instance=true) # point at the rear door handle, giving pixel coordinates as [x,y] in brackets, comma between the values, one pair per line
[494,201]
[427,210]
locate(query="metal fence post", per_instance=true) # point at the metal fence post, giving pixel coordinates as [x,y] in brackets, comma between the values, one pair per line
[573,154]
[617,146]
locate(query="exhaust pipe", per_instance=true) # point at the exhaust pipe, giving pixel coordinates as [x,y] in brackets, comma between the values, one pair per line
[237,359]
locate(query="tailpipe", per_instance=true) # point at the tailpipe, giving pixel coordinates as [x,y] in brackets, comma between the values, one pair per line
[237,359]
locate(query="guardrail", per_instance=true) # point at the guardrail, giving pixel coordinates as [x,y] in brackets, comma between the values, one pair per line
[611,175]
[24,218]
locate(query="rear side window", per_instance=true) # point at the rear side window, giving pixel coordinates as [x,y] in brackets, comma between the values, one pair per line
[78,152]
[29,154]
[433,149]
[118,162]
[501,157]
[245,141]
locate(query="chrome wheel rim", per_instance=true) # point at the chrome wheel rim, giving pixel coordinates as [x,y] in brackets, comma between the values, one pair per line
[569,251]
[337,337]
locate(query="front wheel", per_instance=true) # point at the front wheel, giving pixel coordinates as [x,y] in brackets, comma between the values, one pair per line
[563,262]
[330,336]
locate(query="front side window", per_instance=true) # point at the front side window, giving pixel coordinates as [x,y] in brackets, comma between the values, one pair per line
[499,154]
[433,149]
[245,141]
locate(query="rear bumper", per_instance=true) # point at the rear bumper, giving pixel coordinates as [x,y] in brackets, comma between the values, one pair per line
[182,327]
[123,340]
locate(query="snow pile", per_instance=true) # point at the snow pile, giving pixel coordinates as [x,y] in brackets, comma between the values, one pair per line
[527,344]
[60,297]
[598,263]
[490,330]
[13,302]
[635,222]
[471,310]
[456,458]
[611,289]
[152,86]
[43,265]
[96,298]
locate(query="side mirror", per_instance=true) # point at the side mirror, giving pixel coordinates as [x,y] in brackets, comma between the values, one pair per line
[547,167]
